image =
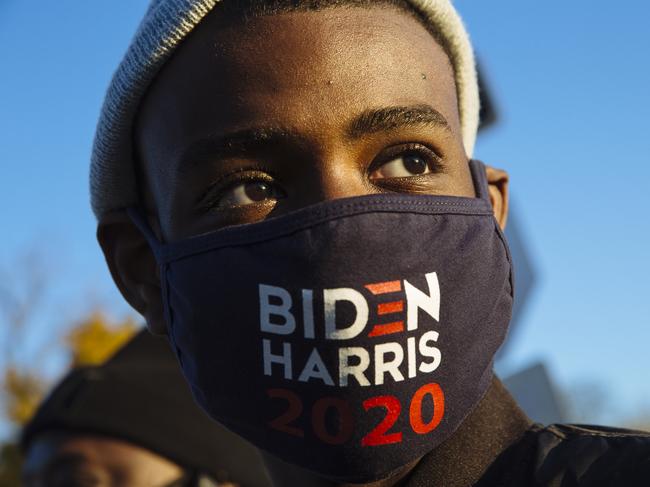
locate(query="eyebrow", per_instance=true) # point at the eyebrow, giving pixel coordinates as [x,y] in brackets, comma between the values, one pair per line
[391,118]
[258,139]
[240,142]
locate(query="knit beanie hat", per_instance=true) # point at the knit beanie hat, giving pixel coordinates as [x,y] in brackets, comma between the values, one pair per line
[140,396]
[164,26]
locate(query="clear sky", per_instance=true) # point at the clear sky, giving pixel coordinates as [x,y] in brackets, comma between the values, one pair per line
[570,80]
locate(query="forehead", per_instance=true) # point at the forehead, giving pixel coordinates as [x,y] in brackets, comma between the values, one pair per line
[309,70]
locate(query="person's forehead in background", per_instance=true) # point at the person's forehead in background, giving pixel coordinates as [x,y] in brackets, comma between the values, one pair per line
[259,117]
[58,459]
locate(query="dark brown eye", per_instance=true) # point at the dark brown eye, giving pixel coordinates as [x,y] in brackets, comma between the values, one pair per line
[248,193]
[403,166]
[415,164]
[257,191]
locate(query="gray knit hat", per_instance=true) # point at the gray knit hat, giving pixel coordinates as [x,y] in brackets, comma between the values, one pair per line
[164,26]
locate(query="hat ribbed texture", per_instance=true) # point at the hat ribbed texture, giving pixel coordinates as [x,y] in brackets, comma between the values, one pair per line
[165,24]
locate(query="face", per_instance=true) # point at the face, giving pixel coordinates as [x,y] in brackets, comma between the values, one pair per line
[252,120]
[57,460]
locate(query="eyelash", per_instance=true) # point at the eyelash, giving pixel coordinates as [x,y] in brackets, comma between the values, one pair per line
[210,198]
[434,161]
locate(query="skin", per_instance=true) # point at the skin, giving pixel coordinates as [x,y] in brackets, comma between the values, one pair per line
[297,90]
[57,459]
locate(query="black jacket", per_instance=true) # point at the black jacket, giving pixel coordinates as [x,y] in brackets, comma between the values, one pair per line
[498,446]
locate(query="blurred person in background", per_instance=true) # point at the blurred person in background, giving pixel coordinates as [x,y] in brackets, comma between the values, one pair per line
[132,422]
[290,195]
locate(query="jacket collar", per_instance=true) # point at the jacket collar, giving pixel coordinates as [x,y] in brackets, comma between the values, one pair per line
[495,423]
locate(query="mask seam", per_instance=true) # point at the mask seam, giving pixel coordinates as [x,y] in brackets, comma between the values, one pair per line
[170,254]
[504,241]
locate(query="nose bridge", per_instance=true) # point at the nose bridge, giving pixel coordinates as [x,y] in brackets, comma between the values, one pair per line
[331,167]
[339,176]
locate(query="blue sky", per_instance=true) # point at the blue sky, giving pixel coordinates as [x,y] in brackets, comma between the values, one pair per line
[572,86]
[571,82]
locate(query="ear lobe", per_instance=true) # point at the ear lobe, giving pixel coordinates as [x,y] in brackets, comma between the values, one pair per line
[133,267]
[498,187]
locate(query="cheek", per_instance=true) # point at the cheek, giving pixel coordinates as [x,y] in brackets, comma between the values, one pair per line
[461,177]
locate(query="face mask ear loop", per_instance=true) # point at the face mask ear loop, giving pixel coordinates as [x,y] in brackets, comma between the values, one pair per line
[140,221]
[479,177]
[160,252]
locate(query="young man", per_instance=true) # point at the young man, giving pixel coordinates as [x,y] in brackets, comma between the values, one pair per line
[131,422]
[285,189]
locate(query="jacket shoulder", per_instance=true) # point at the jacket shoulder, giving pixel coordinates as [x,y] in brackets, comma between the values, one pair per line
[591,455]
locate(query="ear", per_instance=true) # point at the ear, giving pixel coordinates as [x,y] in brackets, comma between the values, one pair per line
[498,187]
[133,267]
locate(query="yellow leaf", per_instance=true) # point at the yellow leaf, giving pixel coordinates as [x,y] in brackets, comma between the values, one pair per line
[24,392]
[95,339]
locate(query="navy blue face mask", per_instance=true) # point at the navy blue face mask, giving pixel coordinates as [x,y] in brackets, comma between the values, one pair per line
[350,337]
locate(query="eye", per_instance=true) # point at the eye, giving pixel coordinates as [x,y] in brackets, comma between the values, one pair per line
[406,164]
[244,189]
[248,193]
